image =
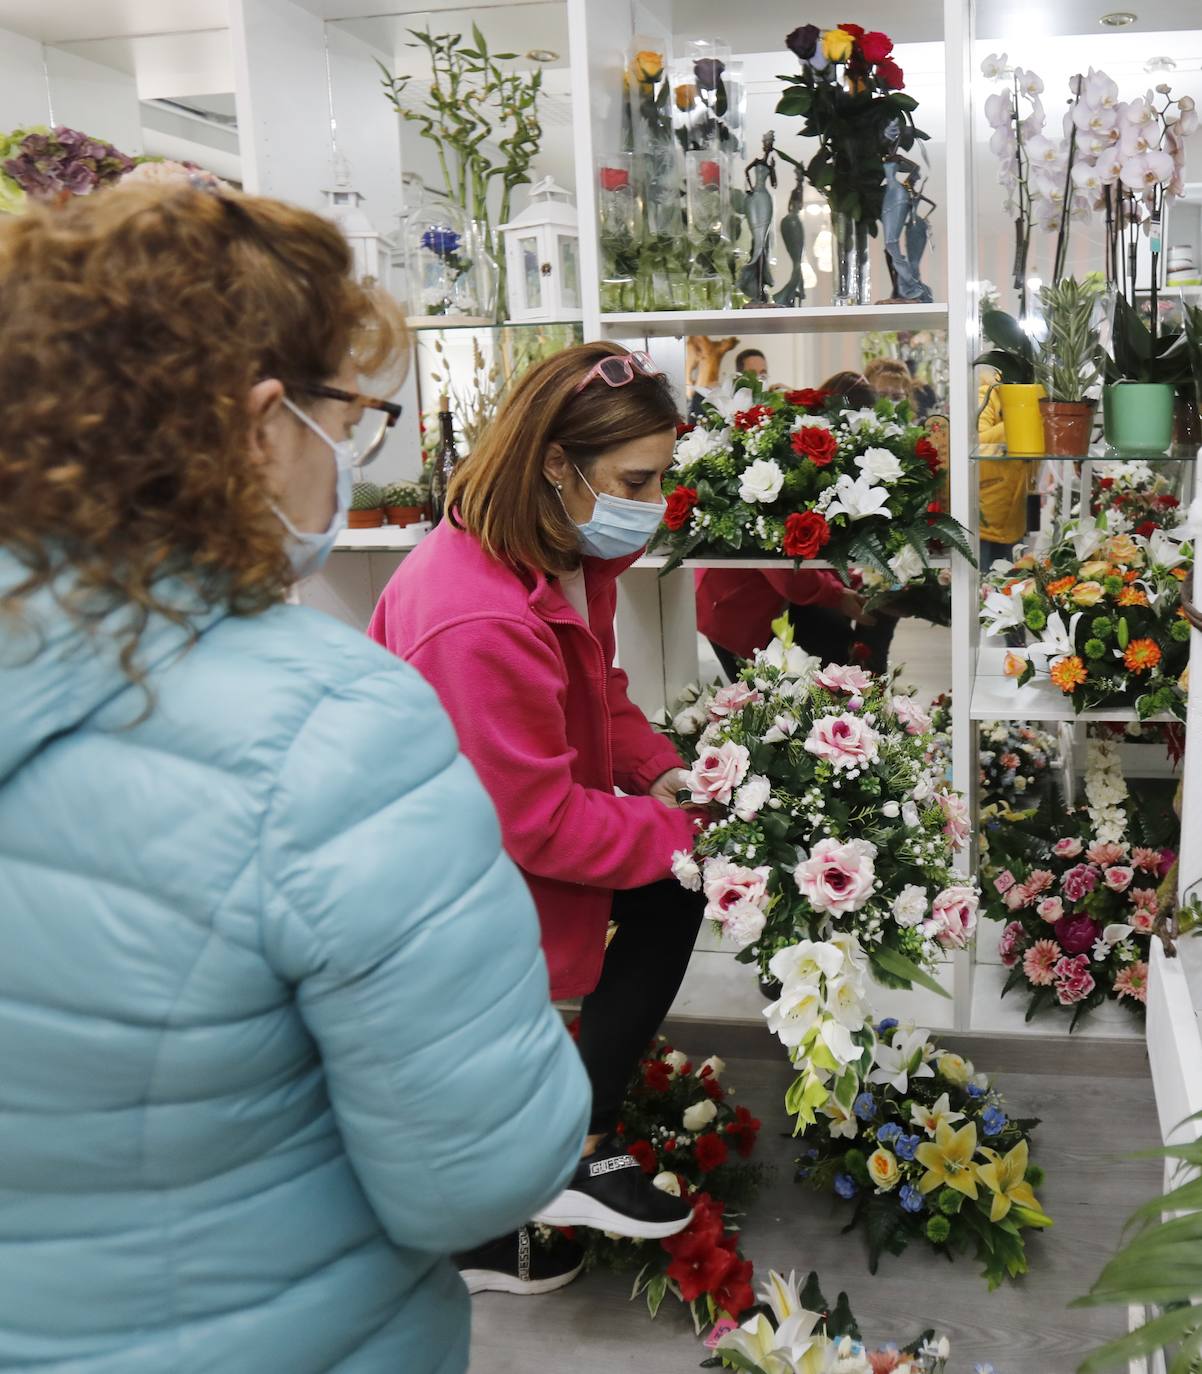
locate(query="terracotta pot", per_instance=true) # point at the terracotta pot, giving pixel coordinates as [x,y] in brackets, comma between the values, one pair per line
[1021,418]
[1066,427]
[364,519]
[403,515]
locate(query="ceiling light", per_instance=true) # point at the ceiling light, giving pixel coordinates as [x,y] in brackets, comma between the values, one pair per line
[542,55]
[1160,64]
[1118,19]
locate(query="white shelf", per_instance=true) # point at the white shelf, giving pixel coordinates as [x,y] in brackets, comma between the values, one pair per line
[997,697]
[993,1014]
[806,319]
[383,539]
[654,562]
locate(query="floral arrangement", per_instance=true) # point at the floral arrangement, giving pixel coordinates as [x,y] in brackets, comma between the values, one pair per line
[1016,761]
[849,93]
[680,1125]
[798,473]
[1106,609]
[1079,913]
[927,1151]
[45,164]
[794,1330]
[1137,499]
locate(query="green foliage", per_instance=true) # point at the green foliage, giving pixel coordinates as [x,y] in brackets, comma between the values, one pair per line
[1070,360]
[1013,353]
[1136,357]
[366,496]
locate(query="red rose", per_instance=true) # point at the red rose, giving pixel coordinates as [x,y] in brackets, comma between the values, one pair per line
[934,508]
[860,652]
[817,444]
[641,1150]
[683,427]
[657,1075]
[805,533]
[711,1151]
[855,30]
[748,419]
[669,1145]
[614,178]
[807,397]
[888,73]
[734,1295]
[1146,528]
[1167,502]
[680,504]
[929,454]
[709,172]
[1105,483]
[876,46]
[745,1128]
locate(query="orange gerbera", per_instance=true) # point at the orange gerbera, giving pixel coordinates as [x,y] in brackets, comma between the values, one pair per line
[1179,573]
[1070,672]
[1132,596]
[1061,585]
[1142,655]
[1131,574]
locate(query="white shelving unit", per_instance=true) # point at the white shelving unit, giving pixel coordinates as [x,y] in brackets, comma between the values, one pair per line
[814,319]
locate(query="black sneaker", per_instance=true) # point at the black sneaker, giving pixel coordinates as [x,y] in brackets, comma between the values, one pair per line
[610,1192]
[518,1263]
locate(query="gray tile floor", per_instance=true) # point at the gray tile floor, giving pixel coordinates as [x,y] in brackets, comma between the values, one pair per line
[1088,1124]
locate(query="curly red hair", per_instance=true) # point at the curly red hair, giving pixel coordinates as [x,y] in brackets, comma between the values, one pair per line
[133,323]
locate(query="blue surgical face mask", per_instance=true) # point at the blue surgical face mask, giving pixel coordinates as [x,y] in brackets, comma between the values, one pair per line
[618,526]
[308,549]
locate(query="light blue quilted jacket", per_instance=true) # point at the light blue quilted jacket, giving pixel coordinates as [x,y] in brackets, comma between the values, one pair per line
[274,1027]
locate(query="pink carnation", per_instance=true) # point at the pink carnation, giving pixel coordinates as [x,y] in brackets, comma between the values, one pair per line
[1073,980]
[836,677]
[1050,910]
[953,916]
[845,741]
[717,772]
[1039,962]
[1133,982]
[1079,882]
[1105,852]
[1004,881]
[955,817]
[729,701]
[1039,880]
[1067,848]
[911,715]
[1146,859]
[1011,944]
[837,878]
[1118,877]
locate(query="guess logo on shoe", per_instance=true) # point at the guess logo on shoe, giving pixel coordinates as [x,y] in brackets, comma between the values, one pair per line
[612,1165]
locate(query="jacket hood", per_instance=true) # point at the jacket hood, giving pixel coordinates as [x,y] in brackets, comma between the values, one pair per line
[55,673]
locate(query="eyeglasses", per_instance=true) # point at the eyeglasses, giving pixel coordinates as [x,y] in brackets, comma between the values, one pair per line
[620,368]
[389,413]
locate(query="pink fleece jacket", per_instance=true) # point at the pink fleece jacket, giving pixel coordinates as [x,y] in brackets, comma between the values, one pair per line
[736,606]
[543,715]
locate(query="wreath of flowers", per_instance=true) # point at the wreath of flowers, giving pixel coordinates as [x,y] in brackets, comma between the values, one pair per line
[927,1151]
[1106,612]
[794,1330]
[680,1125]
[799,474]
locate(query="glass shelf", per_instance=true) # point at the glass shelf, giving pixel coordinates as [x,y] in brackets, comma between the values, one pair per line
[806,319]
[438,324]
[1099,454]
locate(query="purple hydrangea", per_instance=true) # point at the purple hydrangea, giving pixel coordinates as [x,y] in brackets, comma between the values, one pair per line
[65,161]
[845,1186]
[910,1198]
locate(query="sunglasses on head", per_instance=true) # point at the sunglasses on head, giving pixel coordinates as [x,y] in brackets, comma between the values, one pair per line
[620,368]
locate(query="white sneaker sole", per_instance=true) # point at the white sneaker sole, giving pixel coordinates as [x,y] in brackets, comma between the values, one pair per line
[571,1208]
[494,1281]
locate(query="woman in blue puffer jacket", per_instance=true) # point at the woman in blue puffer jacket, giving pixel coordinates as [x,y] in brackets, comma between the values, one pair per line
[275,1036]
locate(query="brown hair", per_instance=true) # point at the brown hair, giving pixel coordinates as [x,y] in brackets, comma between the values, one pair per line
[133,323]
[890,374]
[854,387]
[500,493]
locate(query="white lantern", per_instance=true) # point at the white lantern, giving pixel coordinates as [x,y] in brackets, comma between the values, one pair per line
[372,250]
[542,257]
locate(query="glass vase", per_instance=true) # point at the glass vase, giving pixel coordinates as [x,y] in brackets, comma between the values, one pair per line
[618,218]
[852,276]
[452,273]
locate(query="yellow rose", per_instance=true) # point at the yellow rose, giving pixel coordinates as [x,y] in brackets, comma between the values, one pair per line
[1015,665]
[648,67]
[955,1069]
[1087,593]
[1092,571]
[1123,549]
[837,45]
[882,1167]
[685,96]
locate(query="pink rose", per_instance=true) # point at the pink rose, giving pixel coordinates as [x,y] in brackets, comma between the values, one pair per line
[1073,980]
[1039,880]
[1079,882]
[717,772]
[836,677]
[844,741]
[1068,848]
[955,817]
[1004,881]
[837,878]
[1076,934]
[1017,897]
[1118,877]
[1105,852]
[1011,944]
[1146,859]
[911,715]
[1142,920]
[1050,910]
[727,884]
[743,924]
[729,701]
[953,916]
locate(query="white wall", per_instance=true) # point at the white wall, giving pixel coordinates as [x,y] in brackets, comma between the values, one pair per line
[23,95]
[100,100]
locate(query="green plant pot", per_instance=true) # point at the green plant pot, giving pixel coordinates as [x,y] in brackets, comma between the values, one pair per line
[1137,417]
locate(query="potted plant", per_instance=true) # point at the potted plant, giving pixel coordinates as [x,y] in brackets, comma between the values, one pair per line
[1142,373]
[1068,363]
[1193,344]
[1013,355]
[404,503]
[367,507]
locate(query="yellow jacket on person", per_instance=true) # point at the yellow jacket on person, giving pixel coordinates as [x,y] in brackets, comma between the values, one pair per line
[1002,486]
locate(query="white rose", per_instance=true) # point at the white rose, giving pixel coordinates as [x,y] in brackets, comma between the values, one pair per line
[910,905]
[686,871]
[698,1116]
[716,1066]
[690,720]
[667,1182]
[752,797]
[700,443]
[880,465]
[761,481]
[742,923]
[808,422]
[676,1061]
[906,564]
[891,809]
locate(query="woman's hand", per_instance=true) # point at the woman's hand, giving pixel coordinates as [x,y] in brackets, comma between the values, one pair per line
[667,785]
[851,604]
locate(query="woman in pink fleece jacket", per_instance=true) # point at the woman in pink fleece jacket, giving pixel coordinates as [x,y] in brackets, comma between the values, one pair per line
[507,609]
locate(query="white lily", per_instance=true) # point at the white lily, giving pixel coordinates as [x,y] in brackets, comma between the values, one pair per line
[1058,639]
[794,1014]
[728,400]
[1002,611]
[896,1064]
[1087,539]
[783,1295]
[779,1351]
[806,962]
[837,1039]
[793,662]
[844,1123]
[931,1118]
[858,499]
[1164,548]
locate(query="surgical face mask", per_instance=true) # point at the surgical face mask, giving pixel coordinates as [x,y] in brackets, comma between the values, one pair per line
[618,526]
[308,549]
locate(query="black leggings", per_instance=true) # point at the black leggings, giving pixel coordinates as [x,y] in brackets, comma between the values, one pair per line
[643,970]
[828,635]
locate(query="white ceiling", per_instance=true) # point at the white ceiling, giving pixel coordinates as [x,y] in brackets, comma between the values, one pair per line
[65,21]
[508,28]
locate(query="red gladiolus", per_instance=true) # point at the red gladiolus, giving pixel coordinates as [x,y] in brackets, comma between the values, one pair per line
[657,1075]
[734,1295]
[711,1151]
[748,419]
[614,178]
[1166,502]
[876,46]
[805,533]
[642,1151]
[929,454]
[744,1128]
[713,1088]
[889,74]
[817,444]
[680,506]
[700,1267]
[808,397]
[709,172]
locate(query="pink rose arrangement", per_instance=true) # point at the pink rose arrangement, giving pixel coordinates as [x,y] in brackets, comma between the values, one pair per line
[716,773]
[735,898]
[837,878]
[845,741]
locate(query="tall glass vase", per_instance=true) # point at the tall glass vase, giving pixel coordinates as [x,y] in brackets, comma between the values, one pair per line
[852,284]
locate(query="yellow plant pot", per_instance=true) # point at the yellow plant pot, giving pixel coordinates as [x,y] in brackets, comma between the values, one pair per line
[1021,418]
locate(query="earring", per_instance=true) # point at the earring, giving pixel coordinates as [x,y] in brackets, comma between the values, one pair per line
[558,486]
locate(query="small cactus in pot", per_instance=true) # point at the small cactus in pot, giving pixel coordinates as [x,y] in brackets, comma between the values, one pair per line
[367,506]
[404,503]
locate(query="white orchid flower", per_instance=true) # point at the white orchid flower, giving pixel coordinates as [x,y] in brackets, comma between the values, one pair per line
[729,401]
[1002,611]
[858,499]
[1145,170]
[995,67]
[998,110]
[1087,539]
[1058,639]
[1028,82]
[896,1064]
[1100,91]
